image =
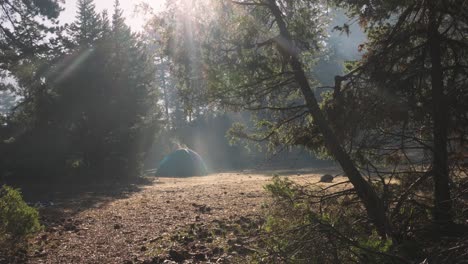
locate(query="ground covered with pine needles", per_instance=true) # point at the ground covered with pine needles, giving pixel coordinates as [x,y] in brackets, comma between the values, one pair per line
[211,219]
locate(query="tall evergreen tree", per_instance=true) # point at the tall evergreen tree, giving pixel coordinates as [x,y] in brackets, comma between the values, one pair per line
[87,28]
[133,90]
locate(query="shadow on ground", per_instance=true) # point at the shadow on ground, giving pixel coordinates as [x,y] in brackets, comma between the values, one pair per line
[285,171]
[59,202]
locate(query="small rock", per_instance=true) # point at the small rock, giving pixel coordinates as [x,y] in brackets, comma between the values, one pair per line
[326,178]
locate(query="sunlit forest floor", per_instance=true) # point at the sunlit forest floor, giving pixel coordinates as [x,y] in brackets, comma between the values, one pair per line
[185,220]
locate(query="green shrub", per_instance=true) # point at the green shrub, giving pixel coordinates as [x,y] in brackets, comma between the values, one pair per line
[17,219]
[306,224]
[281,188]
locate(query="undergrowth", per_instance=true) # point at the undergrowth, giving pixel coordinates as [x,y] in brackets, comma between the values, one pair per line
[17,222]
[313,224]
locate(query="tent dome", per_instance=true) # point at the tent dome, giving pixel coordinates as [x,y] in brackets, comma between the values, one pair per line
[183,163]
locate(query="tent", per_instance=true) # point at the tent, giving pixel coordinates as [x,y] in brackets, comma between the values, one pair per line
[182,162]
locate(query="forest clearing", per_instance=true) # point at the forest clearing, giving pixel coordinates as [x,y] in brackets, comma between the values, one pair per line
[142,223]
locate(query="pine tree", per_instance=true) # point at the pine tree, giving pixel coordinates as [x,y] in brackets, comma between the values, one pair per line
[27,42]
[87,28]
[106,24]
[132,90]
[108,96]
[95,112]
[21,34]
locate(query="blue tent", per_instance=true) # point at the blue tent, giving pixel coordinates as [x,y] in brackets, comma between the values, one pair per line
[182,163]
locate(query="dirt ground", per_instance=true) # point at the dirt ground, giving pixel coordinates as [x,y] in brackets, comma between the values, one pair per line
[169,220]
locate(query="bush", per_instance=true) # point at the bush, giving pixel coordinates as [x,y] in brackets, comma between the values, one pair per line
[309,225]
[17,219]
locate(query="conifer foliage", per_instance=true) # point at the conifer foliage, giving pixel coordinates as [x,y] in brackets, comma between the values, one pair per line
[95,111]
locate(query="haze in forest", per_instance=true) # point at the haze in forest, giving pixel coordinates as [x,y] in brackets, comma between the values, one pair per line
[222,131]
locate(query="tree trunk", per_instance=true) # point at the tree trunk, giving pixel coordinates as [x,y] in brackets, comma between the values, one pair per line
[442,202]
[165,91]
[372,202]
